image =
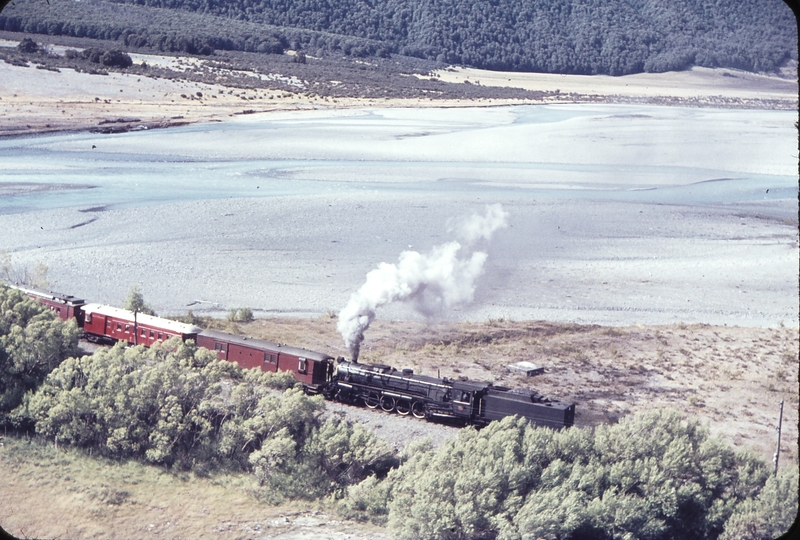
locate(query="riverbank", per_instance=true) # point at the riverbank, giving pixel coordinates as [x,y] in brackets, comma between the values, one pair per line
[41,99]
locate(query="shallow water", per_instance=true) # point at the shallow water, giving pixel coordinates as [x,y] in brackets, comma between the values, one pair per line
[630,153]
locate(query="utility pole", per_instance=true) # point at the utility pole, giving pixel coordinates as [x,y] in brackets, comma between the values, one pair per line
[778,448]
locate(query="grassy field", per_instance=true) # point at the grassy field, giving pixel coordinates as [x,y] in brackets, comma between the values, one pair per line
[47,492]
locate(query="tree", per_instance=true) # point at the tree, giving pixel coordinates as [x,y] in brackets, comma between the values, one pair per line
[33,341]
[653,476]
[116,58]
[769,515]
[135,302]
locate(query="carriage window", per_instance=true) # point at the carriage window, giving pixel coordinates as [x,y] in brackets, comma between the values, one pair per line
[160,335]
[219,347]
[127,328]
[269,358]
[152,334]
[301,365]
[119,326]
[88,317]
[144,332]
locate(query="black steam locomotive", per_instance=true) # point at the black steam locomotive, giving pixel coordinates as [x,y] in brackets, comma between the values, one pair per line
[470,402]
[403,392]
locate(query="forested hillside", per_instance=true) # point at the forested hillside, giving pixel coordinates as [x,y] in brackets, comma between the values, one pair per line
[554,36]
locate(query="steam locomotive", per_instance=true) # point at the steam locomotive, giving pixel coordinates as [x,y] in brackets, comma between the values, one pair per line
[470,402]
[376,386]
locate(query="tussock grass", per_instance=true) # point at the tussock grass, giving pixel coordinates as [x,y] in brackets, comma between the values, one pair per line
[63,493]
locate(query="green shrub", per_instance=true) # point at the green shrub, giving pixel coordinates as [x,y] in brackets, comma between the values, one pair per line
[770,514]
[166,404]
[240,315]
[179,406]
[655,475]
[27,45]
[33,341]
[320,461]
[116,58]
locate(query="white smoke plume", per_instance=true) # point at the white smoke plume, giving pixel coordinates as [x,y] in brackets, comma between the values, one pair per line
[477,226]
[430,283]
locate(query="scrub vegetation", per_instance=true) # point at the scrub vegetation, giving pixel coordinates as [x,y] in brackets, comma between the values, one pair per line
[656,474]
[33,342]
[23,275]
[551,36]
[179,406]
[283,76]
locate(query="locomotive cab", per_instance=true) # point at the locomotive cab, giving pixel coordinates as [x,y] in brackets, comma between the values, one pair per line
[467,398]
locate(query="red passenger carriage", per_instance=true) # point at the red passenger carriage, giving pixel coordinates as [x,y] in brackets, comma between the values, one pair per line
[472,402]
[65,306]
[103,323]
[309,367]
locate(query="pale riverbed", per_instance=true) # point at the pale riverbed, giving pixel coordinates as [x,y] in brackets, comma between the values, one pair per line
[618,214]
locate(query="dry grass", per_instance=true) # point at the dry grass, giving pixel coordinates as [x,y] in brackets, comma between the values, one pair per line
[55,493]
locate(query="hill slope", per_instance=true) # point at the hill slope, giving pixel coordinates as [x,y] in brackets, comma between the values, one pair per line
[551,36]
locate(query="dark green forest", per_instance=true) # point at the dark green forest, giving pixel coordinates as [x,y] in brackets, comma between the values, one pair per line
[552,36]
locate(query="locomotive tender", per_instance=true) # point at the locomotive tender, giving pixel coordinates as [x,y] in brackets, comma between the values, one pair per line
[377,386]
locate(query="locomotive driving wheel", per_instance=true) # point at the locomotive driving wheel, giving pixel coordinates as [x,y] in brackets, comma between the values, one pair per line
[373,400]
[403,407]
[387,403]
[418,409]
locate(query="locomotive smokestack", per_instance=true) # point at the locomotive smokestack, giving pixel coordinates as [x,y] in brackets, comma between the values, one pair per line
[430,283]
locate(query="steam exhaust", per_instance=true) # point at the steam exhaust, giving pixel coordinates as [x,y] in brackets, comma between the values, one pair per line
[430,283]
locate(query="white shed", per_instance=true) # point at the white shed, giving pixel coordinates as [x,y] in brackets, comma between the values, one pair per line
[527,368]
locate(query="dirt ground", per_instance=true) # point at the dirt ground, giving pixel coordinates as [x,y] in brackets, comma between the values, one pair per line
[696,86]
[40,101]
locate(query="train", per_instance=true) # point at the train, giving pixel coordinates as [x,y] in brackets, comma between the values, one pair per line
[376,386]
